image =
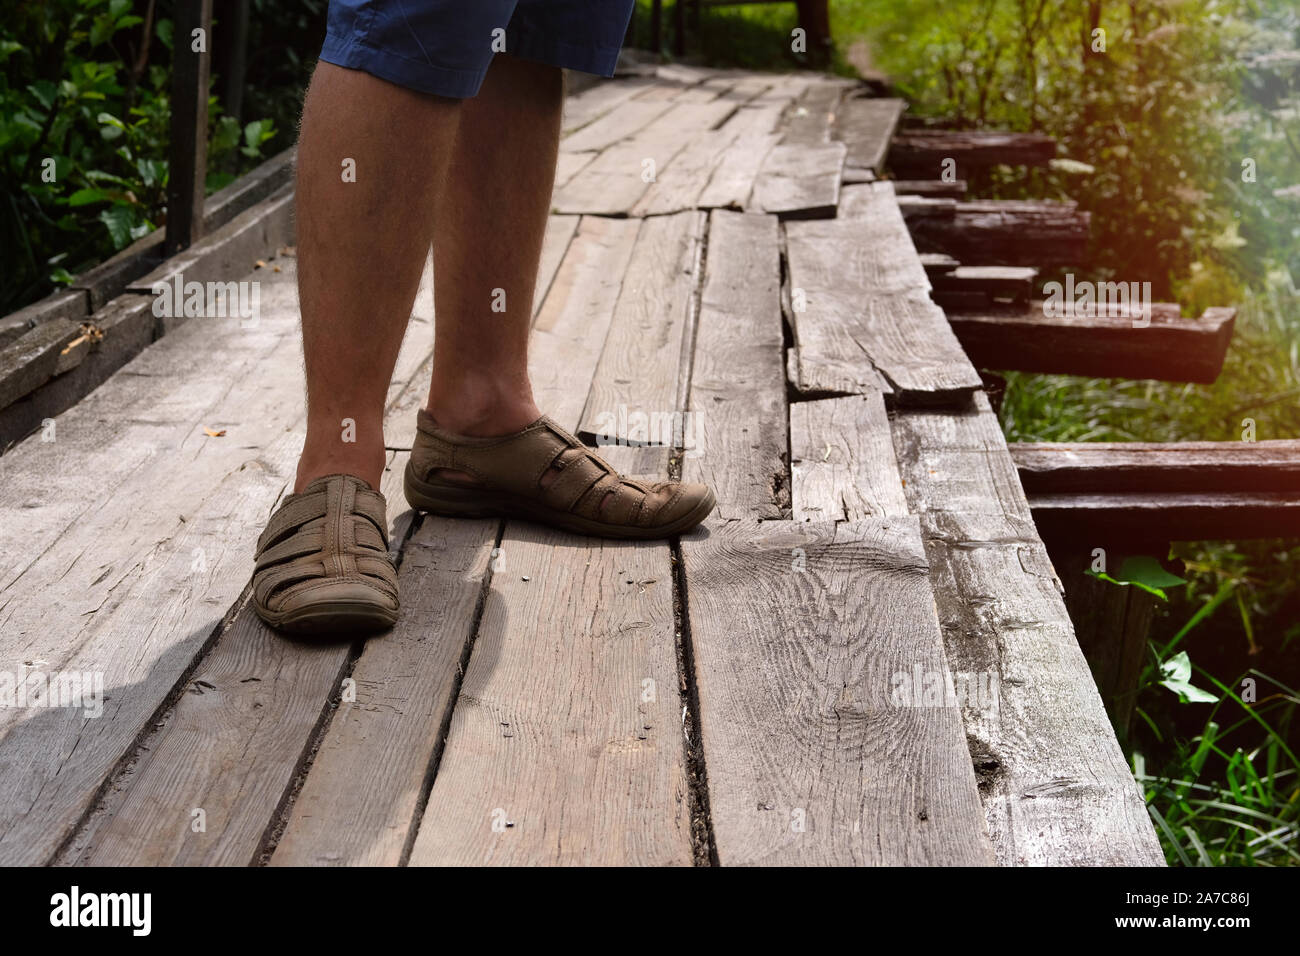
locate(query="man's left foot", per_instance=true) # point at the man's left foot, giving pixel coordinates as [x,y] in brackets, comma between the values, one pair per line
[544,474]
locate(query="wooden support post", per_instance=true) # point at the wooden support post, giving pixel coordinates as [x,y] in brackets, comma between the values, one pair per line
[1111,621]
[235,36]
[657,26]
[814,17]
[679,28]
[189,123]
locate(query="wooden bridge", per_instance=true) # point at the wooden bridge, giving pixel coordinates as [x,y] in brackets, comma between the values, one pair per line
[863,658]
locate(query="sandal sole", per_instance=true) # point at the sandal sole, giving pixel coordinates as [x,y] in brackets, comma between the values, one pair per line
[332,619]
[452,502]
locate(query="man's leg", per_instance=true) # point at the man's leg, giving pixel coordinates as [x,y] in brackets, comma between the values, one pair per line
[361,248]
[491,220]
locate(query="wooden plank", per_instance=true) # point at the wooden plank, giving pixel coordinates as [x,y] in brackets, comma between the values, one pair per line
[732,180]
[866,309]
[935,188]
[559,232]
[920,153]
[1055,785]
[1000,232]
[866,127]
[628,119]
[518,782]
[32,359]
[565,744]
[361,799]
[808,121]
[842,460]
[1199,466]
[956,460]
[568,165]
[738,403]
[799,182]
[1168,516]
[178,556]
[1057,790]
[599,100]
[799,634]
[233,741]
[1163,345]
[637,379]
[616,180]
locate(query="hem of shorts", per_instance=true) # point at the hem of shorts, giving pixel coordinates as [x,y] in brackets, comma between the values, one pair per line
[352,54]
[601,61]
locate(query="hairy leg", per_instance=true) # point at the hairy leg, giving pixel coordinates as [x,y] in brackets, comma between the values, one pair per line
[491,222]
[361,248]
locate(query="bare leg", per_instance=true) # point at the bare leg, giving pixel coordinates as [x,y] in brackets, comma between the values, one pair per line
[491,222]
[361,248]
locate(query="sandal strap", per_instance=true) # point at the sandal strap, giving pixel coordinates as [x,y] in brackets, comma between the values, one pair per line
[336,529]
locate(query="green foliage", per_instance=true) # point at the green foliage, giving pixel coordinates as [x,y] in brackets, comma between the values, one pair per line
[84,113]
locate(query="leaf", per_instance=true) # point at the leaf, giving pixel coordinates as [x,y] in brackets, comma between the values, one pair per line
[1073,166]
[213,433]
[1145,572]
[84,197]
[1178,671]
[120,221]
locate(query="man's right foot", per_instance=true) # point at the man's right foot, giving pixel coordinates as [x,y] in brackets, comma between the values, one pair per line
[322,563]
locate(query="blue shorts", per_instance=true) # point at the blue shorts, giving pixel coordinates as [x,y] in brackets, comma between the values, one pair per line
[444,47]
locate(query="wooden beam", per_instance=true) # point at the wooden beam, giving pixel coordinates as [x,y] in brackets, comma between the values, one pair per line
[920,153]
[1169,348]
[999,232]
[1203,466]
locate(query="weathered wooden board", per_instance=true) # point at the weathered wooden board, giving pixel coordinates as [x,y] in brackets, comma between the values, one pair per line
[597,101]
[1195,466]
[361,800]
[1055,785]
[866,127]
[565,745]
[616,181]
[637,382]
[618,124]
[799,182]
[842,460]
[866,309]
[920,153]
[963,458]
[738,421]
[1163,345]
[809,119]
[803,635]
[732,180]
[559,232]
[1000,232]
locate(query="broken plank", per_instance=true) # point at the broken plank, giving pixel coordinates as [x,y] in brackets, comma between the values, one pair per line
[737,418]
[803,636]
[799,182]
[921,153]
[842,460]
[866,310]
[866,127]
[636,386]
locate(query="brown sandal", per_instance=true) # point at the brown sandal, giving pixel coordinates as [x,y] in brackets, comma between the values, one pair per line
[586,496]
[323,564]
